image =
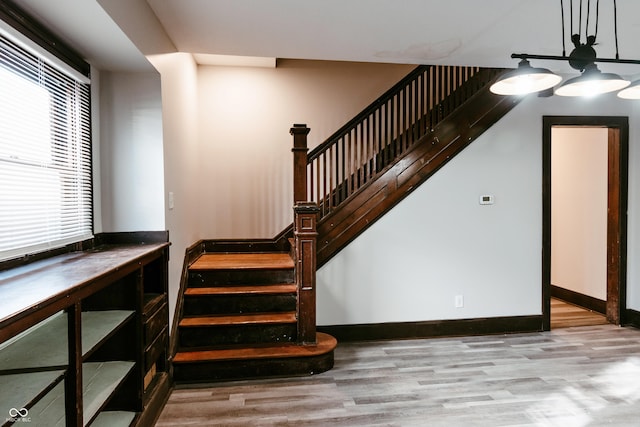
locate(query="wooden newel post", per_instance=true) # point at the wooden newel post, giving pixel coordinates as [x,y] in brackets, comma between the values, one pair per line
[305,234]
[299,132]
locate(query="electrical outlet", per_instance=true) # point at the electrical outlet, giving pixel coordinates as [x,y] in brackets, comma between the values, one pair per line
[459,301]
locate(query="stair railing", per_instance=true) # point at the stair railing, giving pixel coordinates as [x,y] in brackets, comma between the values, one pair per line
[355,154]
[386,129]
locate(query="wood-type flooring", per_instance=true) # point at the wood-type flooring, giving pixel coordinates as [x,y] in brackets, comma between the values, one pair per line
[565,315]
[569,377]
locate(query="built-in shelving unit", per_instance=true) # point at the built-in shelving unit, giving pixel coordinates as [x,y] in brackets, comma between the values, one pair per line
[84,341]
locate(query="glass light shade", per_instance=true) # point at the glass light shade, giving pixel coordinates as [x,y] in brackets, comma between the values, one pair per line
[631,92]
[524,80]
[592,82]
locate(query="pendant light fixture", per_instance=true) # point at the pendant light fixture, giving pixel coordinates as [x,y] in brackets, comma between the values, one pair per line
[631,92]
[591,82]
[524,80]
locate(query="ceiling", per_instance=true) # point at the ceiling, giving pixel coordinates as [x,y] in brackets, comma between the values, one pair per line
[117,34]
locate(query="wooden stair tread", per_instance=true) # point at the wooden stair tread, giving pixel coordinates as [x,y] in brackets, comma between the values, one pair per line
[243,261]
[239,319]
[325,344]
[285,288]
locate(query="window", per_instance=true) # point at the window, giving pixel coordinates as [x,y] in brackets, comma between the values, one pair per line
[45,154]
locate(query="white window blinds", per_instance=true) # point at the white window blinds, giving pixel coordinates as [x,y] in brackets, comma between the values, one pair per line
[45,154]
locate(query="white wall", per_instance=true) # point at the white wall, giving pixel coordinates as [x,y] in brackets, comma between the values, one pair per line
[245,184]
[131,152]
[436,244]
[223,147]
[439,242]
[95,150]
[579,176]
[181,154]
[633,213]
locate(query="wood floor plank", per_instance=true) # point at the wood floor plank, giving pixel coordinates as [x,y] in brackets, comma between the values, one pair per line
[566,315]
[577,376]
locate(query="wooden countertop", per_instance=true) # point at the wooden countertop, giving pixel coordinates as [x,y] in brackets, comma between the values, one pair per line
[45,287]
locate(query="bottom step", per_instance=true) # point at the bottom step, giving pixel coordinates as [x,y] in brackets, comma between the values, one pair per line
[254,362]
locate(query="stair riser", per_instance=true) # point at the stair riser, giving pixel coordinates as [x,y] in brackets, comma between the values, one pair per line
[236,304]
[246,369]
[239,277]
[208,336]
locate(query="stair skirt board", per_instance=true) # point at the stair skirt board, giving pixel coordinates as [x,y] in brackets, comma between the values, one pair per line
[258,362]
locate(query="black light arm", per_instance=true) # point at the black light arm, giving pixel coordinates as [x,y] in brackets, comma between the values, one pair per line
[568,58]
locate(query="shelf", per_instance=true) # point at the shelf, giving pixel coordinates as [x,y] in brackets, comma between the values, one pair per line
[98,325]
[45,346]
[114,419]
[23,390]
[99,381]
[120,288]
[49,411]
[98,384]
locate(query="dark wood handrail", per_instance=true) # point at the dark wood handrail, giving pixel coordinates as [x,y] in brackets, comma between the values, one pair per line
[406,173]
[385,130]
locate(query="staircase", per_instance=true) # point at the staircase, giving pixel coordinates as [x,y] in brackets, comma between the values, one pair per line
[395,144]
[248,307]
[239,321]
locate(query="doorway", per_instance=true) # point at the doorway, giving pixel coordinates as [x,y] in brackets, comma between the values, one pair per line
[616,131]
